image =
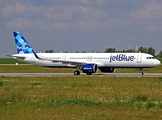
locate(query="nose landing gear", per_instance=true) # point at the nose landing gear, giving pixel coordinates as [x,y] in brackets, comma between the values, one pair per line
[141,73]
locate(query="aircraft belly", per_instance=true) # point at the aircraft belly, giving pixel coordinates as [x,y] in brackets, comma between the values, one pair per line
[122,64]
[53,64]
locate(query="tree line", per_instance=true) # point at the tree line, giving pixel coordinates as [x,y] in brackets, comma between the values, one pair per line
[149,50]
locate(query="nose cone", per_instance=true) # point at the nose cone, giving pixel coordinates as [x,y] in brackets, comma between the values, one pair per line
[157,63]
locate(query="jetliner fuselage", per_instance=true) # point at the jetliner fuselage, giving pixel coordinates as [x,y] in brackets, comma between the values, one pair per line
[115,60]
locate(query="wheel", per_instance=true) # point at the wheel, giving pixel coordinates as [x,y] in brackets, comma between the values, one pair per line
[76,73]
[89,73]
[141,73]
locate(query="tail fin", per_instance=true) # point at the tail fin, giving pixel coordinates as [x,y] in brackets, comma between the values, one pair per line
[21,44]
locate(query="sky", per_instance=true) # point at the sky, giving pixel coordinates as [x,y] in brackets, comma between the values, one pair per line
[81,25]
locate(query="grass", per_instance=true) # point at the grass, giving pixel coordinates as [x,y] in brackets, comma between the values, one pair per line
[160,58]
[1,83]
[10,61]
[78,97]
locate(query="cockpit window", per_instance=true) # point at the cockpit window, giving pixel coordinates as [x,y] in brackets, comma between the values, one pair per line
[150,58]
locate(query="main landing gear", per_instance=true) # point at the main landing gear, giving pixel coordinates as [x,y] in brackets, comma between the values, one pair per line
[77,71]
[141,73]
[89,73]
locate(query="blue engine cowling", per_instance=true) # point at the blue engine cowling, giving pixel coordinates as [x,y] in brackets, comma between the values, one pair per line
[89,68]
[107,70]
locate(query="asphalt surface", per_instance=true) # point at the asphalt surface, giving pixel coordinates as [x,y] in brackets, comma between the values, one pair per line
[83,74]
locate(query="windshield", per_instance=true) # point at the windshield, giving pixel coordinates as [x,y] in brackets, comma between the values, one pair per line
[150,58]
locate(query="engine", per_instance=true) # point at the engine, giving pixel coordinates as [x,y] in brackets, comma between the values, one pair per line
[89,68]
[107,70]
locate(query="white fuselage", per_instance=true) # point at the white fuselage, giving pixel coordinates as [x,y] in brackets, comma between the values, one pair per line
[111,60]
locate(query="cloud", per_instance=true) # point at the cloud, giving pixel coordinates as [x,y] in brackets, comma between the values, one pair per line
[87,25]
[54,17]
[124,40]
[66,12]
[100,2]
[17,8]
[84,9]
[149,16]
[86,2]
[120,22]
[153,26]
[93,13]
[150,11]
[91,2]
[51,12]
[42,17]
[61,17]
[21,23]
[94,24]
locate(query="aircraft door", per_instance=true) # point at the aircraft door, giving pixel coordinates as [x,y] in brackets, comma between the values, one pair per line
[89,58]
[33,59]
[64,58]
[139,58]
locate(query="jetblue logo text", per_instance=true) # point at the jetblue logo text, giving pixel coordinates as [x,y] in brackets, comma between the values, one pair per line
[23,47]
[121,57]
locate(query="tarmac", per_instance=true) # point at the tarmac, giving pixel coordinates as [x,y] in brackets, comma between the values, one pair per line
[83,74]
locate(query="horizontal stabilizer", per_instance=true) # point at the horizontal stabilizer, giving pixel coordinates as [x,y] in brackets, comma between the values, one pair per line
[17,57]
[8,55]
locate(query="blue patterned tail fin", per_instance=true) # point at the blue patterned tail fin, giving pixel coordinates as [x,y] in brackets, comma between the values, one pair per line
[21,44]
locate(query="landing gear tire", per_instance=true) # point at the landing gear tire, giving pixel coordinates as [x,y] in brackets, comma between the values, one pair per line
[76,73]
[89,73]
[141,73]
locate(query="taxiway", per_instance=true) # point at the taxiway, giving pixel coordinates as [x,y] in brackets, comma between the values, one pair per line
[83,74]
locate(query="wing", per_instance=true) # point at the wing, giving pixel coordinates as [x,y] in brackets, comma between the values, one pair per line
[69,62]
[63,62]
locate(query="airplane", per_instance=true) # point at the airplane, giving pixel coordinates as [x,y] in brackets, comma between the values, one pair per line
[86,62]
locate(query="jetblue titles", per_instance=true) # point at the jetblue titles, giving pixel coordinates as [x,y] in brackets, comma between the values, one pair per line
[121,57]
[23,47]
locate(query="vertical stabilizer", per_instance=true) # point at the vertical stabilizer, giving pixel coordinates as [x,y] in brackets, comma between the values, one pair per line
[21,44]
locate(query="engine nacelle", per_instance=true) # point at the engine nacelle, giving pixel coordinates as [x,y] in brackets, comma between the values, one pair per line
[107,70]
[89,68]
